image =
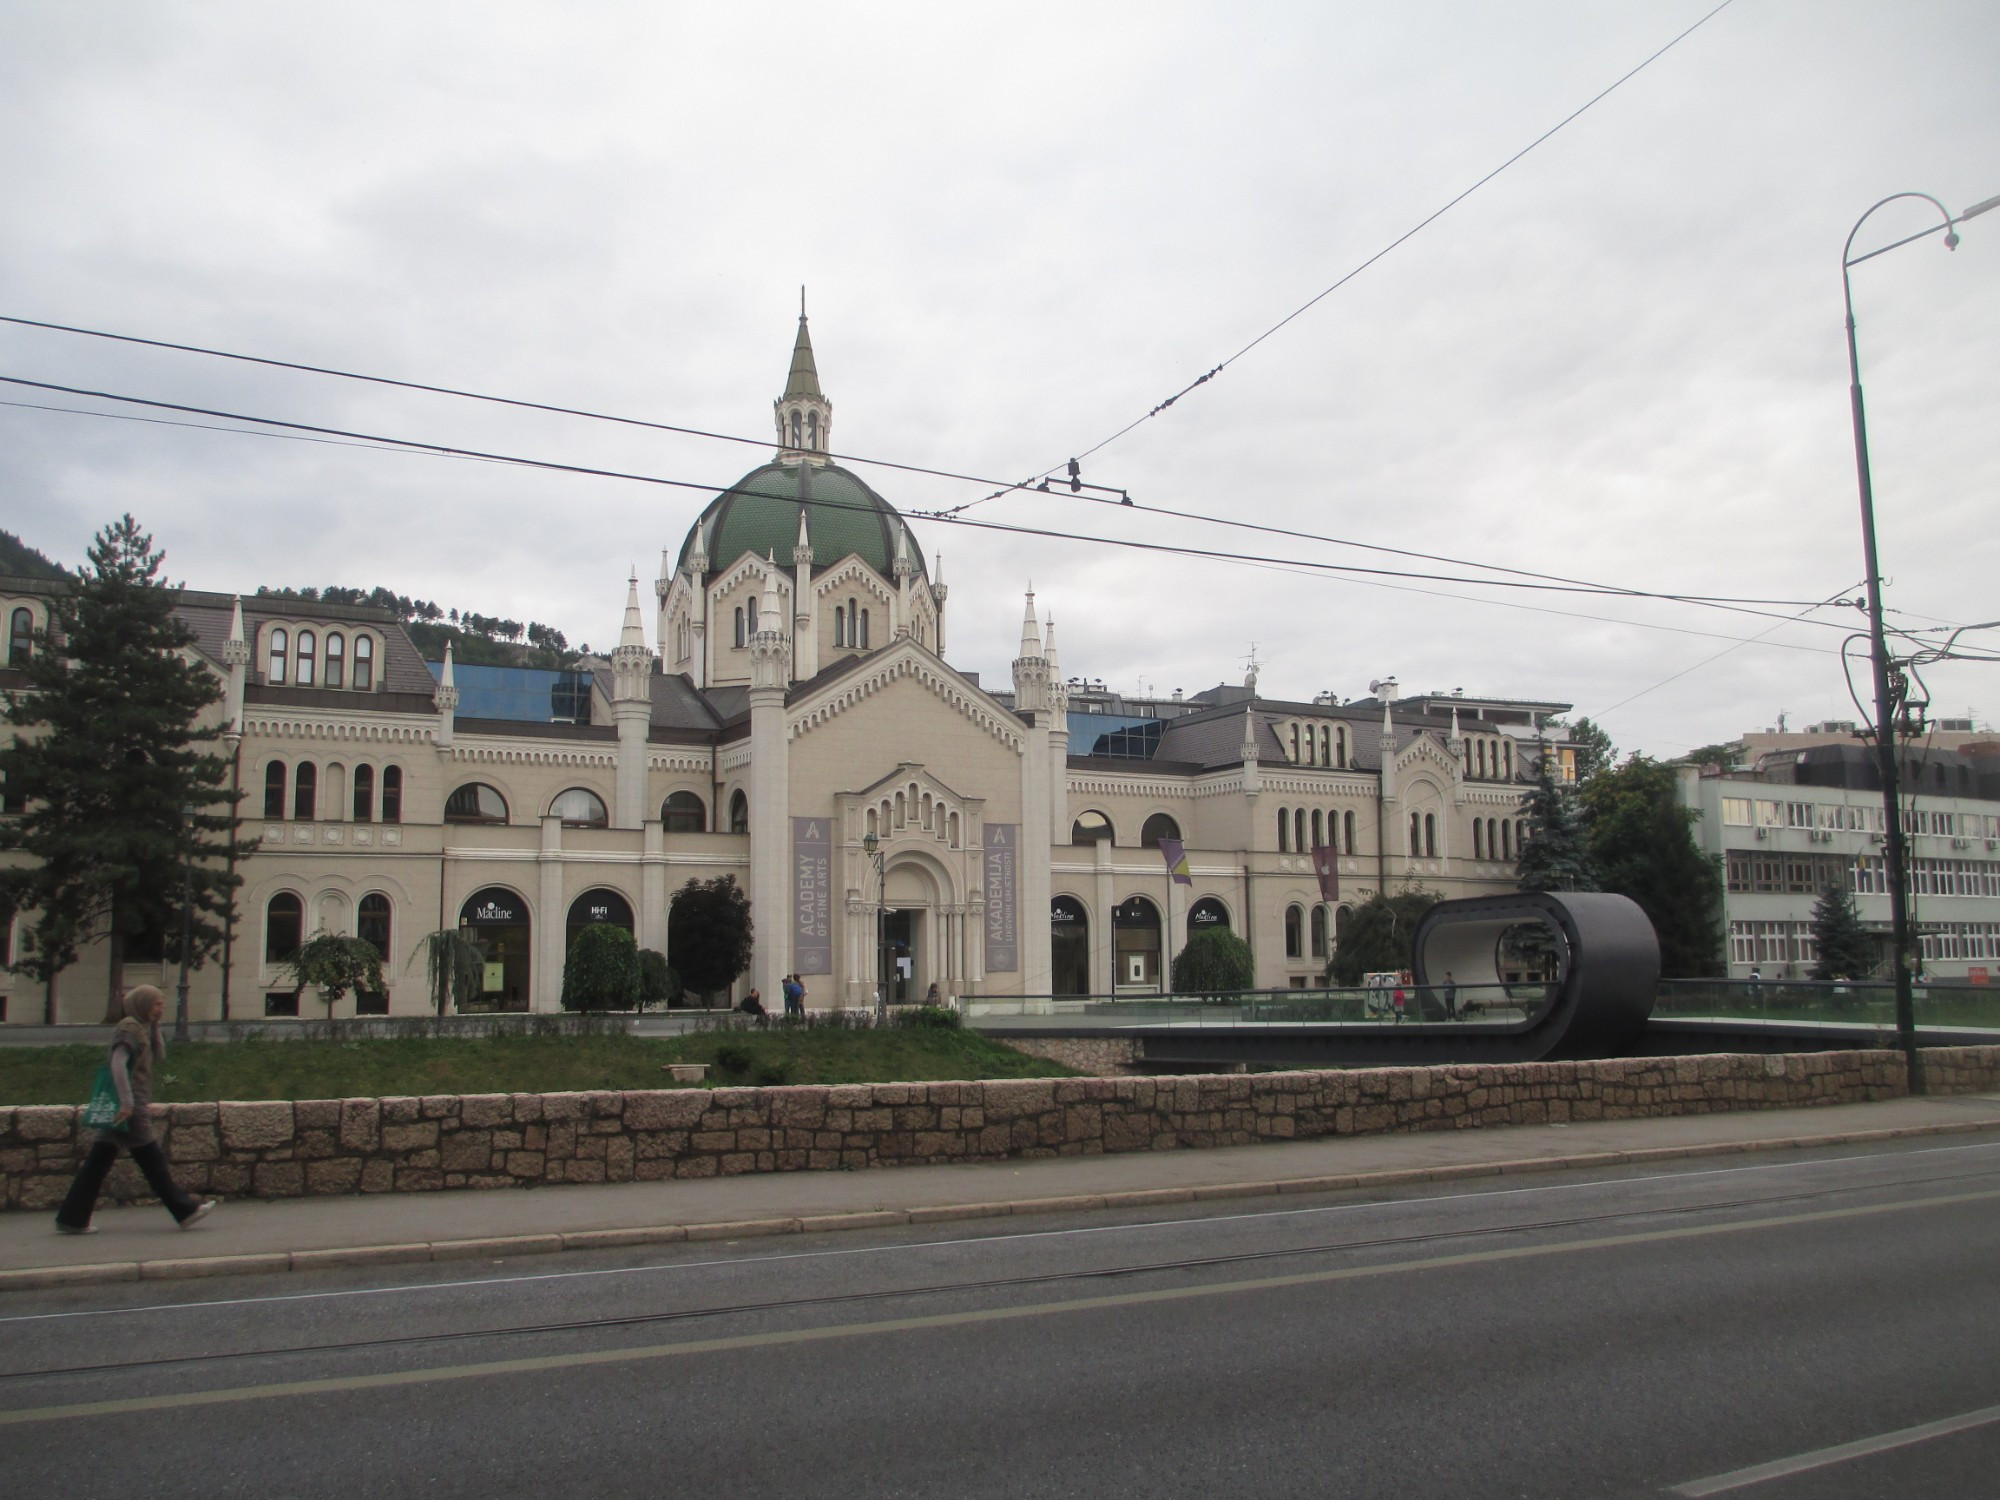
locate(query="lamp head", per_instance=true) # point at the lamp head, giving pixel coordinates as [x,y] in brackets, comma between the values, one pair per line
[1951,239]
[870,843]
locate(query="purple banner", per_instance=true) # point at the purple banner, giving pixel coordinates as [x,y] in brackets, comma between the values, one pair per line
[1003,946]
[812,895]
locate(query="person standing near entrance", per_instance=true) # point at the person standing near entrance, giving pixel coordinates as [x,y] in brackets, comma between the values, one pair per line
[135,1046]
[795,996]
[1450,997]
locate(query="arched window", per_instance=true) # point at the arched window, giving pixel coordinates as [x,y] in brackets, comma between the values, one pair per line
[392,794]
[284,927]
[1135,940]
[797,424]
[597,908]
[1430,835]
[1506,839]
[1416,835]
[864,630]
[1069,947]
[274,791]
[1158,826]
[739,627]
[739,813]
[1347,831]
[1507,755]
[280,643]
[305,792]
[364,794]
[1295,744]
[1478,839]
[1319,831]
[1325,746]
[1299,829]
[372,924]
[750,615]
[1318,934]
[336,659]
[364,664]
[1206,913]
[580,808]
[684,812]
[306,674]
[812,430]
[1295,919]
[1284,830]
[840,625]
[475,802]
[1092,828]
[20,638]
[1340,747]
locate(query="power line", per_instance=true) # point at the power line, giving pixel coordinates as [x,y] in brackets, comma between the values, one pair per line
[1408,234]
[416,445]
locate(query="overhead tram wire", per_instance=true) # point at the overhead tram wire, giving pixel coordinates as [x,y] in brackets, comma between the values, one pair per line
[1407,234]
[420,446]
[1030,485]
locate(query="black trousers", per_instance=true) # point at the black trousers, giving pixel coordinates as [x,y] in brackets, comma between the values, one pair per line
[82,1200]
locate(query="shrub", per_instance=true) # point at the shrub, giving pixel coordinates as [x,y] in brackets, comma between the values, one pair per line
[603,970]
[658,983]
[775,1074]
[928,1017]
[734,1060]
[1215,962]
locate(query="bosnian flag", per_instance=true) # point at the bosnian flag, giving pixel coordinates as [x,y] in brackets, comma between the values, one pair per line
[1175,854]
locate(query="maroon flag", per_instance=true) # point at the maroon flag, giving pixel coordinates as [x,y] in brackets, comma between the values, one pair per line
[1326,865]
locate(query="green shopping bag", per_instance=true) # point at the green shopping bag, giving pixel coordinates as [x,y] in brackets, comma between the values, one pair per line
[101,1112]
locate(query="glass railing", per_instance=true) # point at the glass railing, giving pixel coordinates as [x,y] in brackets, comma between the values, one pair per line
[1417,1005]
[1828,1002]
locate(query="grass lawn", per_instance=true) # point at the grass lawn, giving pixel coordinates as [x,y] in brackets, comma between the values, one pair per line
[523,1065]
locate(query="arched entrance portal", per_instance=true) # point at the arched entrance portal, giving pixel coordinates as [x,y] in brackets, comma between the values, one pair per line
[497,919]
[1069,947]
[594,907]
[1135,931]
[1206,913]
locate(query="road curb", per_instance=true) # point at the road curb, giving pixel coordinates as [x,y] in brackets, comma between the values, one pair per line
[32,1278]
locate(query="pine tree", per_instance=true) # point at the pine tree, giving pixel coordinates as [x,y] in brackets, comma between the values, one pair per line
[1556,855]
[1642,845]
[123,789]
[1846,951]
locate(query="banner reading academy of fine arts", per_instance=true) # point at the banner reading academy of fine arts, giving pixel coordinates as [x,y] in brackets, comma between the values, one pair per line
[1003,944]
[812,895]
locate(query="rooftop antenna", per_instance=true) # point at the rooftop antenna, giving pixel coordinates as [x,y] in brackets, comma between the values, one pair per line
[802,299]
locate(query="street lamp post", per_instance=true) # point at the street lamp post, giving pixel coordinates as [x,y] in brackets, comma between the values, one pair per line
[872,846]
[1888,680]
[187,921]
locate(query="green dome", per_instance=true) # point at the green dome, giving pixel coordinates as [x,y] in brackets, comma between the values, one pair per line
[760,513]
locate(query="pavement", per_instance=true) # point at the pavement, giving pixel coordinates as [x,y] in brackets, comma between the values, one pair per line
[300,1234]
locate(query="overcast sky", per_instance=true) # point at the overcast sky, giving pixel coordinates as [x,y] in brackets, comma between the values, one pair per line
[1022,227]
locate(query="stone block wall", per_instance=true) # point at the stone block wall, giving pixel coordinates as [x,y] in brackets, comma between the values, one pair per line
[286,1149]
[1097,1056]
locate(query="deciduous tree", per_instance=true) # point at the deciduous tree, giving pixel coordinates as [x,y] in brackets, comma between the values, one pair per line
[709,933]
[1642,844]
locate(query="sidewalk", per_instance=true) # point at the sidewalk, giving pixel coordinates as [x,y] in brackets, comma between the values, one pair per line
[307,1233]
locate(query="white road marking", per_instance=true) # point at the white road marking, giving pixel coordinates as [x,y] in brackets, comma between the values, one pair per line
[1821,1458]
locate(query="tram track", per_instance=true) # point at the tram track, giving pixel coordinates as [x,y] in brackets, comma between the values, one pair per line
[984,1285]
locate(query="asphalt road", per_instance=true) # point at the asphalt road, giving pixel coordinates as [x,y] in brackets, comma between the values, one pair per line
[1655,1333]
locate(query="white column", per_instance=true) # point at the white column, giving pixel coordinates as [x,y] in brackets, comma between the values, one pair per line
[552,921]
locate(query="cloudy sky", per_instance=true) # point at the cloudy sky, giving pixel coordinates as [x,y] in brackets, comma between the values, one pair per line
[1022,227]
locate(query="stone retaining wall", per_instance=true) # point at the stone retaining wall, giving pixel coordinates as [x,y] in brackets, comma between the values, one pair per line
[1097,1056]
[285,1149]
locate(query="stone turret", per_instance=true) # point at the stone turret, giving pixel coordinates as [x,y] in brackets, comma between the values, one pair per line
[631,711]
[1253,770]
[446,701]
[804,415]
[236,657]
[1031,668]
[770,790]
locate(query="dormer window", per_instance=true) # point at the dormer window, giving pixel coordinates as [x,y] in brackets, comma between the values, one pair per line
[336,659]
[279,643]
[364,664]
[306,652]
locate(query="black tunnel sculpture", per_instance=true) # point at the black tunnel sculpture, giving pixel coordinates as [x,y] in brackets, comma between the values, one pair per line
[1608,974]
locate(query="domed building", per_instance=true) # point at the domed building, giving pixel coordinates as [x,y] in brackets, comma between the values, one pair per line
[795,724]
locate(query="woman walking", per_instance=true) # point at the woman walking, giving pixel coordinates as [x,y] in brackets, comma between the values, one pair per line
[135,1046]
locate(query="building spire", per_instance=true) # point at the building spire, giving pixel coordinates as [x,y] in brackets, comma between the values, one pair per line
[804,415]
[633,633]
[804,377]
[1031,634]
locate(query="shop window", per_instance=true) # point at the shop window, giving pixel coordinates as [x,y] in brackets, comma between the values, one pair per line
[475,802]
[684,812]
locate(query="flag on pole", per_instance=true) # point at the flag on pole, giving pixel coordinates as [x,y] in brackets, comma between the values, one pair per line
[1326,865]
[1175,854]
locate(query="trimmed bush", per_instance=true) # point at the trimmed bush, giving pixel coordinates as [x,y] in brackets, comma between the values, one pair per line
[603,970]
[658,983]
[932,1017]
[1215,962]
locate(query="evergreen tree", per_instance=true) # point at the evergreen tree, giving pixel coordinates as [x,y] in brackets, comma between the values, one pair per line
[123,790]
[1380,934]
[1556,855]
[1846,951]
[1594,750]
[1641,841]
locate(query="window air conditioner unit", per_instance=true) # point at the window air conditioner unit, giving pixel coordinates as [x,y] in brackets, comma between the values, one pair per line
[1961,843]
[1878,838]
[1763,833]
[1993,843]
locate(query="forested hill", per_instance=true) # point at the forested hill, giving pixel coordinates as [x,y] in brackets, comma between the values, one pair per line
[23,561]
[485,640]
